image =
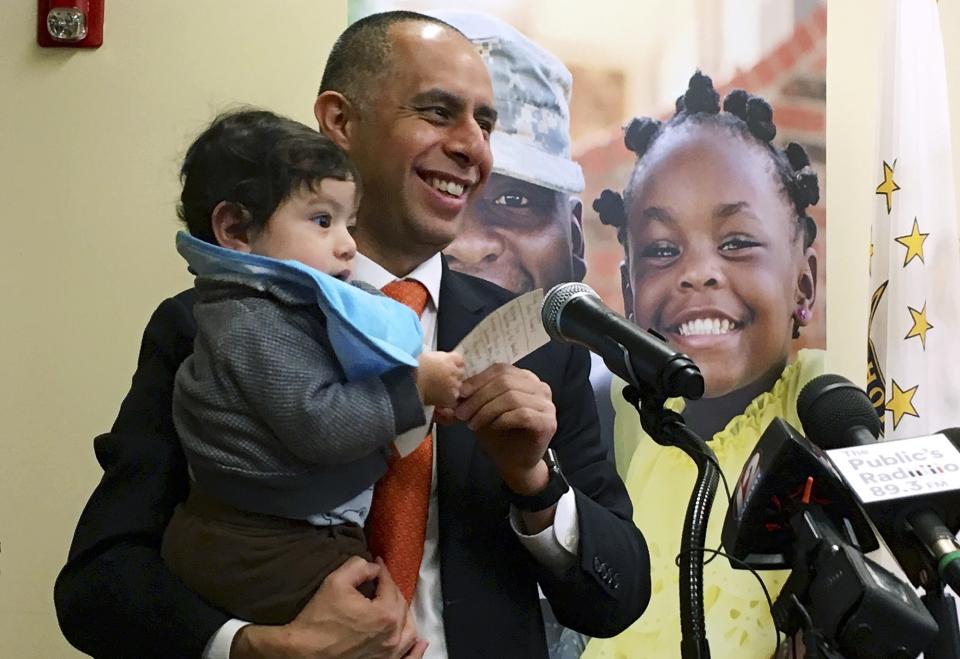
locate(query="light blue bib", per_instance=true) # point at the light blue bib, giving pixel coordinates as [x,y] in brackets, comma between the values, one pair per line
[370,334]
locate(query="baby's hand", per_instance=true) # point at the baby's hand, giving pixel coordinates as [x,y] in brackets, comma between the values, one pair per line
[439,377]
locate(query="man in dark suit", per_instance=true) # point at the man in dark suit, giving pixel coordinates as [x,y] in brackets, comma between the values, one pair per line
[410,100]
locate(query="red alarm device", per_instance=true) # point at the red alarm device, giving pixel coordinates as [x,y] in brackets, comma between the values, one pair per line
[70,23]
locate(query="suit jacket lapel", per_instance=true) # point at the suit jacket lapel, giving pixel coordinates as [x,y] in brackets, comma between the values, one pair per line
[460,309]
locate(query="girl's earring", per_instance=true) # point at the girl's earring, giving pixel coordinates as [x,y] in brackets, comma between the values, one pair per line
[801,316]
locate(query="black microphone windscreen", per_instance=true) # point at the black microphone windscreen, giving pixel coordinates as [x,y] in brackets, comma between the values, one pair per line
[829,405]
[554,302]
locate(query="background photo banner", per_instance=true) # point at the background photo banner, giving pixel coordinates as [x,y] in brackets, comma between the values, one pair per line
[701,195]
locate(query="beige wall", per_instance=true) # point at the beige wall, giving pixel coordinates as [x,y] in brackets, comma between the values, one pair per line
[90,143]
[89,146]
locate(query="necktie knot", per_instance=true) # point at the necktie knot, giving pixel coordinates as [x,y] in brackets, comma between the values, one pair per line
[409,292]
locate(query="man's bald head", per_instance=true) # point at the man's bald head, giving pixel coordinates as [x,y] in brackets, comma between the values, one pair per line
[361,55]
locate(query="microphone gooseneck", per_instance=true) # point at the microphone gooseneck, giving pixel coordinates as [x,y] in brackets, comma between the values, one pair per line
[573,313]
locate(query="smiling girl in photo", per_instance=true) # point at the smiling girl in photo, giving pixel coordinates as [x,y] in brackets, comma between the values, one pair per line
[719,260]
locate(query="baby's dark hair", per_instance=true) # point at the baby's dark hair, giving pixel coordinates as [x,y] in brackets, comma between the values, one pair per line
[256,160]
[745,115]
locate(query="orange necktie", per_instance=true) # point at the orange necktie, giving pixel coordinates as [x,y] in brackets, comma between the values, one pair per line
[397,524]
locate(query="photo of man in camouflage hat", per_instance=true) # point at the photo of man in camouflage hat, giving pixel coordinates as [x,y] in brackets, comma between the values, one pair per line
[524,231]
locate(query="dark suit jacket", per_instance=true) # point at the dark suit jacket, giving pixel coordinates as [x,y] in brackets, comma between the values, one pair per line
[115,597]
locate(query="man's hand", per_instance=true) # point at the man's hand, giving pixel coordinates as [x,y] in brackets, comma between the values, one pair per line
[512,414]
[340,622]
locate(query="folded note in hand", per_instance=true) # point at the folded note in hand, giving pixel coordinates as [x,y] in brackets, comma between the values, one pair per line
[510,333]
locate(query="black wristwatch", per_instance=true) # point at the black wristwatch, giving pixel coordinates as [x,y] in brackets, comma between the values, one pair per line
[556,487]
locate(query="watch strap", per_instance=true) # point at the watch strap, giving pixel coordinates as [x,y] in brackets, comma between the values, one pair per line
[556,487]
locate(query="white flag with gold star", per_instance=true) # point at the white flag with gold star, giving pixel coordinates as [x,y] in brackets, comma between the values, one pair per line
[914,349]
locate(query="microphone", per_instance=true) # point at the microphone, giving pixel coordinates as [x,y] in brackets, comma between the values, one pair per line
[792,510]
[572,312]
[772,488]
[836,413]
[909,487]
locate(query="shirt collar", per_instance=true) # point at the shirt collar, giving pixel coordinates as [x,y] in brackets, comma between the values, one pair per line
[427,273]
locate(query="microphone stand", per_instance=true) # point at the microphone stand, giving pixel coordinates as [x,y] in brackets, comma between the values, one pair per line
[667,428]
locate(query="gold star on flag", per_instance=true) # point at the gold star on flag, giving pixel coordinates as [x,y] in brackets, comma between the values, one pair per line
[889,186]
[920,325]
[913,241]
[901,403]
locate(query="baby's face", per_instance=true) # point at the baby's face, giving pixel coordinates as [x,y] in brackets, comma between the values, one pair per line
[715,263]
[314,226]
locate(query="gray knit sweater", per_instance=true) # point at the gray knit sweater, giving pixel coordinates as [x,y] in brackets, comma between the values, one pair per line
[266,418]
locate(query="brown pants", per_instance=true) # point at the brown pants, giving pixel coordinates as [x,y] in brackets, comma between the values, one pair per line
[258,568]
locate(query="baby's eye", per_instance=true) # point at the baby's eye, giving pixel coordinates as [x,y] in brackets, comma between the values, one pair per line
[512,200]
[322,220]
[660,250]
[737,243]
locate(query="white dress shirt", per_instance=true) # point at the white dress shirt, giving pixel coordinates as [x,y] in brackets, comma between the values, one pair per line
[554,547]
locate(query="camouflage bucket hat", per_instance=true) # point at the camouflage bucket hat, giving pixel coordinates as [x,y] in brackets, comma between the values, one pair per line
[531,90]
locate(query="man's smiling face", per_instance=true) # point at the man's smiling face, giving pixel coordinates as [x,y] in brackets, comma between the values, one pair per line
[423,146]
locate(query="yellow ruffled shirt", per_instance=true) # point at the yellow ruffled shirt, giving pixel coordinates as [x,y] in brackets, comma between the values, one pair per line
[660,480]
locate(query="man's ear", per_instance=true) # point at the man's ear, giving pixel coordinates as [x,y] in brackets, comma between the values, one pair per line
[229,224]
[576,239]
[336,117]
[626,287]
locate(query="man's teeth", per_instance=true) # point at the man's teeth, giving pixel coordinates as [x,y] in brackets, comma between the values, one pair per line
[451,188]
[706,326]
